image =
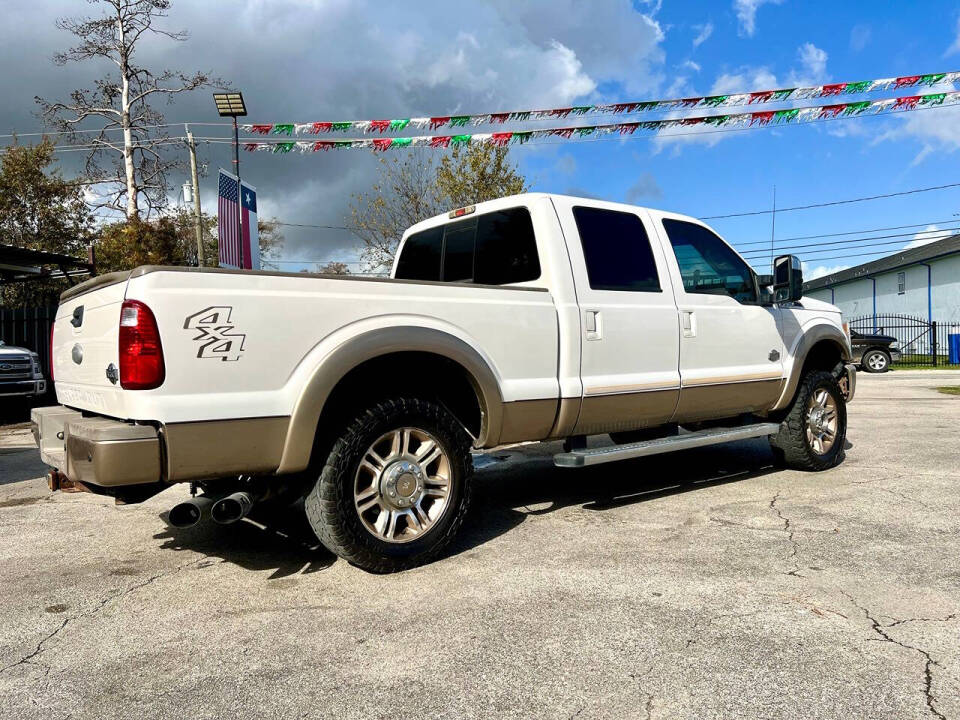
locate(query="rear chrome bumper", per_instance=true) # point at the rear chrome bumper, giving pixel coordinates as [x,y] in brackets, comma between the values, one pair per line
[96,450]
[848,381]
[895,355]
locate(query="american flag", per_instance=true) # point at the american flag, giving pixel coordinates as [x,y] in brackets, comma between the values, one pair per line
[228,205]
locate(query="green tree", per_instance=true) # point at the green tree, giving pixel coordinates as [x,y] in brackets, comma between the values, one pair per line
[129,244]
[476,174]
[39,210]
[334,267]
[269,229]
[412,187]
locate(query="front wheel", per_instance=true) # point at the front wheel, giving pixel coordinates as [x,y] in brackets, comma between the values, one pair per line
[813,434]
[876,361]
[395,487]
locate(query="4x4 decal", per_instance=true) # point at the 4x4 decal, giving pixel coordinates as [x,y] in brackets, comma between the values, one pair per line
[216,336]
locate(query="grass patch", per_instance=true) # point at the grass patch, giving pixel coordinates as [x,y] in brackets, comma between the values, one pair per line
[927,366]
[950,389]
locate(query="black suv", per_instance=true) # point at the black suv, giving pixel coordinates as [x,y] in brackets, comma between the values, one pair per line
[874,352]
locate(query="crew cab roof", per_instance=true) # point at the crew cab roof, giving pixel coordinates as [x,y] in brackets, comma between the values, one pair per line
[520,199]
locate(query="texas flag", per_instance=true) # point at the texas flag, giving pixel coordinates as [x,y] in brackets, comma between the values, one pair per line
[227,208]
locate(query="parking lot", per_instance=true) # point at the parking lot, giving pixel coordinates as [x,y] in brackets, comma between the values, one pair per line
[702,584]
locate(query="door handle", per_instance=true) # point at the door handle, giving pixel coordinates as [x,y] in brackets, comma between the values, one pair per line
[688,323]
[592,325]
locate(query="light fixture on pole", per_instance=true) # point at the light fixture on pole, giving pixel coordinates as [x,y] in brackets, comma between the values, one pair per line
[230,104]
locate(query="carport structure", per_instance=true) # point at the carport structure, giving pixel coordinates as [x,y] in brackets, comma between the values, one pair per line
[24,265]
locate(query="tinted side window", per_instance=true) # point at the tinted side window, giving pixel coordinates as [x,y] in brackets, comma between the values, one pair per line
[506,249]
[420,259]
[617,250]
[707,265]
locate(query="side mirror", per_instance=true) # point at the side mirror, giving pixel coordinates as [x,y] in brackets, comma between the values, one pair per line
[764,280]
[787,279]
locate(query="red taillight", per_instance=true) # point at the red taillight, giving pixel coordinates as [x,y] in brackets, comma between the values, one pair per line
[50,354]
[141,356]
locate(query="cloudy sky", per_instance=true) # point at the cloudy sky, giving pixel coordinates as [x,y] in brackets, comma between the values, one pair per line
[310,60]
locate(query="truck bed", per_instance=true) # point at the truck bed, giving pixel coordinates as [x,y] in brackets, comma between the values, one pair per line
[241,344]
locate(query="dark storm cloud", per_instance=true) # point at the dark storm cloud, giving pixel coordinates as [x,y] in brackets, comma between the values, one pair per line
[302,60]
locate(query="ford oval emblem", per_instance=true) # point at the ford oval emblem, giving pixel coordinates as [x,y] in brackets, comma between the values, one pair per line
[77,353]
[6,366]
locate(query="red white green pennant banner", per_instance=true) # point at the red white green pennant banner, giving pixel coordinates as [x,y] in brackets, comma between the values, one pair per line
[737,120]
[715,101]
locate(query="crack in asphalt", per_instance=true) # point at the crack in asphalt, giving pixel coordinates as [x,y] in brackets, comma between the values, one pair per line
[904,496]
[788,528]
[123,592]
[929,662]
[948,618]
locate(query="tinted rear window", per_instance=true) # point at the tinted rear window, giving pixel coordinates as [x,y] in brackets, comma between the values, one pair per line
[458,244]
[420,259]
[492,249]
[617,250]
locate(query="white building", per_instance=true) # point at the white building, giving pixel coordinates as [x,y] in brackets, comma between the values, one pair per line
[922,282]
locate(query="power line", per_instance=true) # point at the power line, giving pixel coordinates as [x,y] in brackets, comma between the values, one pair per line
[834,202]
[99,130]
[848,232]
[947,230]
[322,227]
[854,255]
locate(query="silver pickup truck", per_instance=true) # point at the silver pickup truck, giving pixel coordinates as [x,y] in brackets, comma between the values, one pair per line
[20,374]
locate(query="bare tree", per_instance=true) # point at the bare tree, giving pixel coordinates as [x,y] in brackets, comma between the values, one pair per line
[120,101]
[414,188]
[404,194]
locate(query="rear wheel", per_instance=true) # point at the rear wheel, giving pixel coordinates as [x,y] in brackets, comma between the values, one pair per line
[876,361]
[395,487]
[812,435]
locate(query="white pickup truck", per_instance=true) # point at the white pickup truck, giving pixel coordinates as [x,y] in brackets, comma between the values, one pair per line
[529,318]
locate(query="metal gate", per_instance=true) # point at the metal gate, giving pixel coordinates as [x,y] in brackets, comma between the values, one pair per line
[922,342]
[29,328]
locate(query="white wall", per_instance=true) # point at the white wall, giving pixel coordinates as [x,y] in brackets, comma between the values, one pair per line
[855,297]
[946,289]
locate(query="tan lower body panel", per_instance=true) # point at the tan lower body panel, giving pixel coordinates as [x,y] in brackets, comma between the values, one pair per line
[625,411]
[218,448]
[527,420]
[112,463]
[710,402]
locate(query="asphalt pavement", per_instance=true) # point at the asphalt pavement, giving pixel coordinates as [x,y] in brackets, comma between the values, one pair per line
[702,584]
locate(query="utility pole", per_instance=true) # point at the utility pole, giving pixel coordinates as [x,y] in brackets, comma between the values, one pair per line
[197,215]
[773,223]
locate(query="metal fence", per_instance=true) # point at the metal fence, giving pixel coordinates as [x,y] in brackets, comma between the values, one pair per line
[921,342]
[29,328]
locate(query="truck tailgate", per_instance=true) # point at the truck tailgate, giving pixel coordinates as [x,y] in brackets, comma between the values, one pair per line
[85,337]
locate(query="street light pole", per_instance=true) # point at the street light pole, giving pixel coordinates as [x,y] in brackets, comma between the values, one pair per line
[236,170]
[230,104]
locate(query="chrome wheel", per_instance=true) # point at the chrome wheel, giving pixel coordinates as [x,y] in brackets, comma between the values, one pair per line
[822,421]
[877,362]
[402,486]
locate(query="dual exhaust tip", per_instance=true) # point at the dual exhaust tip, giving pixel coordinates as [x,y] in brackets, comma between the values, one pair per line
[222,510]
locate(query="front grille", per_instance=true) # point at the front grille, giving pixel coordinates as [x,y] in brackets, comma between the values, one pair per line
[14,368]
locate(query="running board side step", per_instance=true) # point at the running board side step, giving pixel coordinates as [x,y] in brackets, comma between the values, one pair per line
[700,438]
